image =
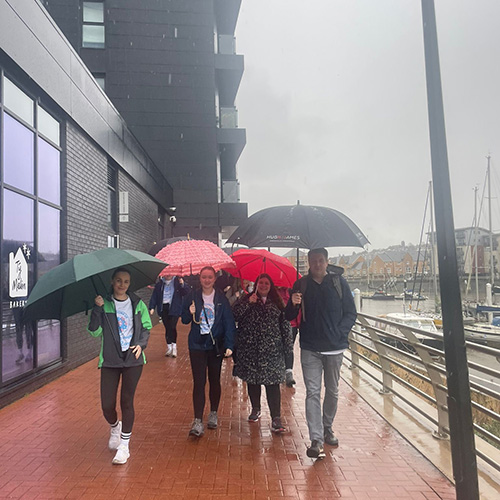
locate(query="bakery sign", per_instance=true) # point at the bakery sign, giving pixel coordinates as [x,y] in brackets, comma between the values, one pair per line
[18,275]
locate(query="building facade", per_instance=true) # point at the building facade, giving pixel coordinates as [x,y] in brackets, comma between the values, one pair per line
[171,70]
[73,178]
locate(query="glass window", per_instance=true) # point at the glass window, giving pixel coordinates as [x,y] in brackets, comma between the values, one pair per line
[17,271]
[49,343]
[18,102]
[49,172]
[93,37]
[49,253]
[48,126]
[93,12]
[18,155]
[49,256]
[100,79]
[112,199]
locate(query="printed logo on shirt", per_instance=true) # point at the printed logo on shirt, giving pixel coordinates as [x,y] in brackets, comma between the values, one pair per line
[210,314]
[125,328]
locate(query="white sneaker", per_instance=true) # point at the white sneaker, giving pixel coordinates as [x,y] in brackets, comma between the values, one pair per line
[174,350]
[122,455]
[114,437]
[169,350]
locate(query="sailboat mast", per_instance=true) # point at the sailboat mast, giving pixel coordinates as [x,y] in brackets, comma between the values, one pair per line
[476,224]
[492,266]
[433,255]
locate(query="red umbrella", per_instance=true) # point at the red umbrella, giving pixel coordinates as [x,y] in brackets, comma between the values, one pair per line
[190,256]
[252,262]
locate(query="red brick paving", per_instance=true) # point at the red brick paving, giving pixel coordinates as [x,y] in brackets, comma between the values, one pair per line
[53,445]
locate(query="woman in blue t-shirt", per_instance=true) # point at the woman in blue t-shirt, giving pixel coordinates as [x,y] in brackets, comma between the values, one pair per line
[211,338]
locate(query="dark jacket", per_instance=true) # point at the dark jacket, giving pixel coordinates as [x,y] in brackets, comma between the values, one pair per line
[111,355]
[327,318]
[223,327]
[175,308]
[264,338]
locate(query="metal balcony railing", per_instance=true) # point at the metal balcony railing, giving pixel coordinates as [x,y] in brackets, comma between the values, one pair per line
[228,117]
[227,44]
[398,358]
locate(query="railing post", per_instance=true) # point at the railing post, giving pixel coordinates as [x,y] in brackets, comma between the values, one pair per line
[436,381]
[382,354]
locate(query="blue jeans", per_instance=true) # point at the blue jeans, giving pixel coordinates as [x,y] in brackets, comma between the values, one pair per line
[315,366]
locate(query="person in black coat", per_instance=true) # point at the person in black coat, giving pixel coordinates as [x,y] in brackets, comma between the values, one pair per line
[264,340]
[167,299]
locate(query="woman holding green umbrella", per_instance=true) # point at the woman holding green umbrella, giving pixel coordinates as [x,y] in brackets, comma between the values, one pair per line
[122,321]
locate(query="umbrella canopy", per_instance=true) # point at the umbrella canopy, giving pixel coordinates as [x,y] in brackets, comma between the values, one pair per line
[298,226]
[191,256]
[252,262]
[71,287]
[163,243]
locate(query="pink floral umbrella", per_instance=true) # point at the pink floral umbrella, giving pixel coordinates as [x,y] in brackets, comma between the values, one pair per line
[191,256]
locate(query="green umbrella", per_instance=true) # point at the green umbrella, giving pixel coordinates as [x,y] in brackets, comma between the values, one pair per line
[71,287]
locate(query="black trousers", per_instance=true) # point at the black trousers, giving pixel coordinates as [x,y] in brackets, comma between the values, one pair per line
[110,377]
[273,394]
[203,362]
[170,324]
[289,357]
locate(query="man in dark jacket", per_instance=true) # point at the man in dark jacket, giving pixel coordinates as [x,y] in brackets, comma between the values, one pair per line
[328,314]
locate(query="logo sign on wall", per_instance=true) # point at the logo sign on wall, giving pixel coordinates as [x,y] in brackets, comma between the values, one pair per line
[18,273]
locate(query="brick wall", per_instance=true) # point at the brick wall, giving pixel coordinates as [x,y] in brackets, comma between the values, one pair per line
[86,226]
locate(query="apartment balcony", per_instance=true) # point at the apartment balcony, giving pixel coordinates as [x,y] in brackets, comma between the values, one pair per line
[231,143]
[228,74]
[226,15]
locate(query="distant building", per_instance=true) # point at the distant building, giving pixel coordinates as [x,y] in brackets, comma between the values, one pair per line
[303,263]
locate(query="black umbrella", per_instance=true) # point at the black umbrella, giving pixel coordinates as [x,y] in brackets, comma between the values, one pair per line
[298,226]
[163,243]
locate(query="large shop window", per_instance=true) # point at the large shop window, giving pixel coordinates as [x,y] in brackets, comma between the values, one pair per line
[30,240]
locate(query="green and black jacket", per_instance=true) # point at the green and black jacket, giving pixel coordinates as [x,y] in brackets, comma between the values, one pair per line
[111,355]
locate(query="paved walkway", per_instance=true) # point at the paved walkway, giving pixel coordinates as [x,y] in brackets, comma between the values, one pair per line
[53,444]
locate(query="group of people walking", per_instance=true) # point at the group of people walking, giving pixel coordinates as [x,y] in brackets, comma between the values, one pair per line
[256,328]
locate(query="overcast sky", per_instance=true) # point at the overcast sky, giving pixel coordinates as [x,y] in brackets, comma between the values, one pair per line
[333,100]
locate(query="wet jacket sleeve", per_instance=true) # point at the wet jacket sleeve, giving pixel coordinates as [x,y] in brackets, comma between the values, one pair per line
[229,325]
[291,311]
[145,324]
[153,301]
[186,316]
[240,307]
[95,323]
[286,334]
[348,309]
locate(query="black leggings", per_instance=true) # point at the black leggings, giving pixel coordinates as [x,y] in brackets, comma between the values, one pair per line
[110,377]
[289,356]
[201,362]
[273,394]
[170,324]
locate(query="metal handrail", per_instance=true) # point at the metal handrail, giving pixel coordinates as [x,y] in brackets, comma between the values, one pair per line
[374,340]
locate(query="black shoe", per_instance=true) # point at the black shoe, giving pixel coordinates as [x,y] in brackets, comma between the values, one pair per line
[289,380]
[254,416]
[277,426]
[316,450]
[330,438]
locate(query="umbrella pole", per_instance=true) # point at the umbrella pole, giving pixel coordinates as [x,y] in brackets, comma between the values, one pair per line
[297,260]
[97,293]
